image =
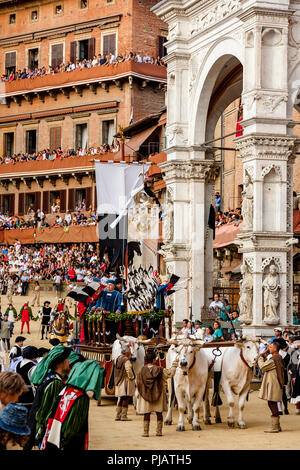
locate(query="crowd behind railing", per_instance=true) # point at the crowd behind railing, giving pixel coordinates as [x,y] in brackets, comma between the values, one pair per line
[59,154]
[233,217]
[81,216]
[98,60]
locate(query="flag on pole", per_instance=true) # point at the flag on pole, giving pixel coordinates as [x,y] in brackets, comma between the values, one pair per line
[212,220]
[116,187]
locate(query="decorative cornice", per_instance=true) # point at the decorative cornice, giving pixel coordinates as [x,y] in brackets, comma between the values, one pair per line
[265,147]
[191,170]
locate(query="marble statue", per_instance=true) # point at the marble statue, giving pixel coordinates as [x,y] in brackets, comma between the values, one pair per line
[271,288]
[246,296]
[247,203]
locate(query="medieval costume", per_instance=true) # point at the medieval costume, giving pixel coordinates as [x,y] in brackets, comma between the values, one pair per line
[62,307]
[45,313]
[25,368]
[160,305]
[67,428]
[124,384]
[60,328]
[50,384]
[294,369]
[151,385]
[25,316]
[272,385]
[110,302]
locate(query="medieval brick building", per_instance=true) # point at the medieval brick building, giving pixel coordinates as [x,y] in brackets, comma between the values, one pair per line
[78,109]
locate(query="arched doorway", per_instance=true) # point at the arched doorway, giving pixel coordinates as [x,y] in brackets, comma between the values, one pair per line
[217,52]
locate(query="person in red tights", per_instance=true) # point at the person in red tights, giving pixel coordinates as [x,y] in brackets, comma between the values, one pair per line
[25,316]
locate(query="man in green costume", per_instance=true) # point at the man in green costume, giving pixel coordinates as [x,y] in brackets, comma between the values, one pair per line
[67,427]
[48,377]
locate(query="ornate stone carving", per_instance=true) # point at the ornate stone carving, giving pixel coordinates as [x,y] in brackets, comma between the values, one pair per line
[289,198]
[269,260]
[269,102]
[246,295]
[267,169]
[203,170]
[168,222]
[247,204]
[249,261]
[265,147]
[176,132]
[218,12]
[271,289]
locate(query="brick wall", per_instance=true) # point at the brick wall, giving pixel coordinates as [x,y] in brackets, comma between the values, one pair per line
[137,31]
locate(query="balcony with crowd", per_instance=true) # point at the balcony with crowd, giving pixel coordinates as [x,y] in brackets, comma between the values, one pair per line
[97,61]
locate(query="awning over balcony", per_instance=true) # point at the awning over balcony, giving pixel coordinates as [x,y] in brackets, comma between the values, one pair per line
[226,234]
[137,140]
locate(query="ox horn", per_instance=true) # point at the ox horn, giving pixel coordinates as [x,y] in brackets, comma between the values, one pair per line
[198,342]
[173,341]
[120,338]
[144,341]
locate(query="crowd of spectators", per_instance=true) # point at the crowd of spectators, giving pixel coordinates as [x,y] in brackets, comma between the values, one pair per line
[99,60]
[230,217]
[233,217]
[81,216]
[52,262]
[47,154]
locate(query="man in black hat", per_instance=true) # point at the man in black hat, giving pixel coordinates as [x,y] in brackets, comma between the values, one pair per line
[16,350]
[110,301]
[25,368]
[199,332]
[45,313]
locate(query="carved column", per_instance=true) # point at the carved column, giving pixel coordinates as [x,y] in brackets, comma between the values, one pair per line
[188,251]
[267,245]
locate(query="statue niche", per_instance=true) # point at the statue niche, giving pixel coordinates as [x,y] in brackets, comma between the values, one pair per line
[246,296]
[247,203]
[271,287]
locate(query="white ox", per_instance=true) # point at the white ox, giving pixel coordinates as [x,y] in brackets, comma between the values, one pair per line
[189,380]
[237,368]
[136,348]
[137,353]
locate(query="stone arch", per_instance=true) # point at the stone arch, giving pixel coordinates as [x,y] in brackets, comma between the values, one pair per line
[214,61]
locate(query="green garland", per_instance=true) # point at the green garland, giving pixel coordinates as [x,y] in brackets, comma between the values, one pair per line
[90,317]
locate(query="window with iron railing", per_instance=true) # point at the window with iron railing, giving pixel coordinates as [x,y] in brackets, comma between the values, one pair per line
[151,148]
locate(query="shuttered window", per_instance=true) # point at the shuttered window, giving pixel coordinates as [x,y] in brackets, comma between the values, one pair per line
[62,200]
[71,202]
[57,55]
[10,62]
[21,204]
[91,48]
[55,138]
[46,208]
[10,59]
[37,201]
[11,208]
[73,47]
[109,44]
[88,197]
[162,51]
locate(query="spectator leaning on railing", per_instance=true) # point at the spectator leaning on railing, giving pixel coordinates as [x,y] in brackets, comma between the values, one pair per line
[97,61]
[46,154]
